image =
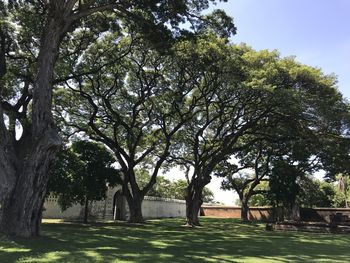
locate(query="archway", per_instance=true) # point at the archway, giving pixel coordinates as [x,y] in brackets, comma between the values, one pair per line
[118,206]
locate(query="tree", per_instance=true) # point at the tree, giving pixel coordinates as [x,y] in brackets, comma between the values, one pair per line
[81,174]
[237,108]
[254,164]
[313,193]
[309,131]
[284,188]
[137,106]
[244,184]
[253,167]
[133,108]
[39,29]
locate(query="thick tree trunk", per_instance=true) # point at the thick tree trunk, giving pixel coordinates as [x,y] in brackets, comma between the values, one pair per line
[28,164]
[7,165]
[21,212]
[135,209]
[133,196]
[244,211]
[193,204]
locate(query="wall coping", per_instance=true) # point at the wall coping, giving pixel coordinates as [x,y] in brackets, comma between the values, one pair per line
[234,207]
[327,209]
[270,207]
[170,200]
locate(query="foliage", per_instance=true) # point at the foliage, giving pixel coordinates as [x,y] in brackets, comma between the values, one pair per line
[291,111]
[141,100]
[82,172]
[133,107]
[315,193]
[310,133]
[261,198]
[165,188]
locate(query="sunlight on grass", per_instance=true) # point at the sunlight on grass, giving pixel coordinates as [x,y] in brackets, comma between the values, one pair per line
[14,249]
[93,255]
[158,244]
[166,240]
[47,257]
[53,221]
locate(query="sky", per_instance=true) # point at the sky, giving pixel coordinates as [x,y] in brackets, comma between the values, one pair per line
[317,32]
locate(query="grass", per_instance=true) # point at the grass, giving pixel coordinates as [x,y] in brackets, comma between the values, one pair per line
[165,240]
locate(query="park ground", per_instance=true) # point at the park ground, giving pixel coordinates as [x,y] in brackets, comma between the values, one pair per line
[166,240]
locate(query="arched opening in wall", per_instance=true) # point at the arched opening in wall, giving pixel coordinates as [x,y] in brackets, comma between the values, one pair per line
[118,206]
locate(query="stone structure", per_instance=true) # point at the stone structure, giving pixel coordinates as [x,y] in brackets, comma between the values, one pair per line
[114,207]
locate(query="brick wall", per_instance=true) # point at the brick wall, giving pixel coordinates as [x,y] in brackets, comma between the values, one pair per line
[255,213]
[266,213]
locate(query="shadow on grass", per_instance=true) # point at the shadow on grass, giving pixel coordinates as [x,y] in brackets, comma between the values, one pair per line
[166,240]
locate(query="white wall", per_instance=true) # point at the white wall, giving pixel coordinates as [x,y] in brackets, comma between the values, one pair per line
[152,207]
[52,210]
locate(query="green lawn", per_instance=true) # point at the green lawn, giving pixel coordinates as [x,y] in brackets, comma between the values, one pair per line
[219,240]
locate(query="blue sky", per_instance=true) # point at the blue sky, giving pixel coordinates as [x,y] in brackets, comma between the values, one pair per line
[317,32]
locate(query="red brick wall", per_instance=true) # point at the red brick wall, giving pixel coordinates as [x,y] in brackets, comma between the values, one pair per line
[266,213]
[221,211]
[255,213]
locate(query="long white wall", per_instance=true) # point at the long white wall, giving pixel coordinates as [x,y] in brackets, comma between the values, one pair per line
[152,207]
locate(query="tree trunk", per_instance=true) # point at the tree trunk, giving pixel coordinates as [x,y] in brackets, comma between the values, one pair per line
[135,209]
[134,197]
[86,210]
[22,210]
[27,161]
[193,204]
[7,165]
[244,211]
[295,216]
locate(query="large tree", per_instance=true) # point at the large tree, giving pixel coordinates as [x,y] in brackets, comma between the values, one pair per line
[31,35]
[137,106]
[236,107]
[273,99]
